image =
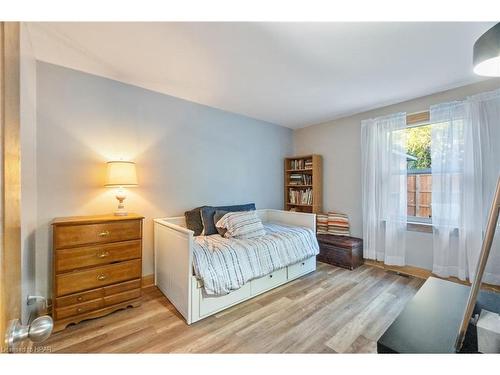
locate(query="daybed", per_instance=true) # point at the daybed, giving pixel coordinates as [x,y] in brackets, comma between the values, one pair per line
[174,275]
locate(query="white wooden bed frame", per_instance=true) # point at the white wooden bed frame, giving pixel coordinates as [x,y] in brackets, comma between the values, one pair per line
[173,254]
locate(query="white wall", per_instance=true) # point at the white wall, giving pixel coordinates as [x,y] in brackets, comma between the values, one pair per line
[28,169]
[187,154]
[339,142]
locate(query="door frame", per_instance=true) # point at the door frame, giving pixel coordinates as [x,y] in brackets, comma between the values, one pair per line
[10,177]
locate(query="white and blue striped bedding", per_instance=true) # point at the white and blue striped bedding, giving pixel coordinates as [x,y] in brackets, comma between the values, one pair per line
[226,264]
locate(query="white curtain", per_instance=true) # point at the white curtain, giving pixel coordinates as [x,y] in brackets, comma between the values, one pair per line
[447,154]
[384,185]
[465,168]
[482,155]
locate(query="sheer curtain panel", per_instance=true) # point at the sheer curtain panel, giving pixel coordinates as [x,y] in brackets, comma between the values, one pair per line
[384,184]
[465,167]
[482,155]
[447,155]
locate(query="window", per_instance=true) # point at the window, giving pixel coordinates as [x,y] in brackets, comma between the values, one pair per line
[449,140]
[419,189]
[417,137]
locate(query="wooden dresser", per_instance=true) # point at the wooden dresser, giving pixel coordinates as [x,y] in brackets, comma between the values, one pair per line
[97,266]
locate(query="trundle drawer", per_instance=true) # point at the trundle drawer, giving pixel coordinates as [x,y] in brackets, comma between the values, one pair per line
[77,281]
[65,312]
[209,305]
[81,257]
[302,268]
[82,234]
[269,281]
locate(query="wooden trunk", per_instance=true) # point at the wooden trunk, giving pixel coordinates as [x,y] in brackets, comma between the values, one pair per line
[342,251]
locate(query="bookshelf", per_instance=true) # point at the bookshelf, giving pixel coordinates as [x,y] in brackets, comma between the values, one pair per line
[304,183]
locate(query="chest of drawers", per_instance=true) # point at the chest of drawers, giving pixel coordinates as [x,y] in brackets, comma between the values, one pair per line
[97,266]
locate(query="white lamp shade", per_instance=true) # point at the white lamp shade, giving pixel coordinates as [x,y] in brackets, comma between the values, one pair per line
[488,68]
[486,53]
[121,173]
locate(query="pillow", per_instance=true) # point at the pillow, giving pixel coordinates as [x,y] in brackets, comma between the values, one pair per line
[207,215]
[193,220]
[217,216]
[245,224]
[338,224]
[322,223]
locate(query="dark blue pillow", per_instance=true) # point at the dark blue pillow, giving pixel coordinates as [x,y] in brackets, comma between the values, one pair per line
[193,220]
[207,215]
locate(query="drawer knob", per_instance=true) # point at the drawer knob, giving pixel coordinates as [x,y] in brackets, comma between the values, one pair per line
[101,277]
[79,299]
[270,276]
[104,233]
[303,263]
[79,310]
[102,254]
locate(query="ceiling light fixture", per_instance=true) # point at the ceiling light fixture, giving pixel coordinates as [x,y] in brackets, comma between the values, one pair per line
[486,55]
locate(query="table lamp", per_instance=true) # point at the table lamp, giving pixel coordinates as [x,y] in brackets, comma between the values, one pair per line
[121,174]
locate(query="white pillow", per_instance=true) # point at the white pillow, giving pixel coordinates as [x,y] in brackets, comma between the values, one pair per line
[243,224]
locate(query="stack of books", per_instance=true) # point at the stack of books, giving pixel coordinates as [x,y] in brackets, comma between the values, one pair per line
[322,223]
[300,179]
[308,164]
[300,196]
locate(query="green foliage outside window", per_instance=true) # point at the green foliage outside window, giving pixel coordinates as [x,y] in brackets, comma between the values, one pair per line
[418,144]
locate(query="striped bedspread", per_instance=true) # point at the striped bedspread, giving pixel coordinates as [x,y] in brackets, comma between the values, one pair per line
[226,264]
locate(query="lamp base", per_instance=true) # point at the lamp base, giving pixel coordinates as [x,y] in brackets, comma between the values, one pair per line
[120,195]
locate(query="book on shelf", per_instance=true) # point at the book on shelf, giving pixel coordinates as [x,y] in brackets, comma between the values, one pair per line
[301,164]
[300,179]
[303,197]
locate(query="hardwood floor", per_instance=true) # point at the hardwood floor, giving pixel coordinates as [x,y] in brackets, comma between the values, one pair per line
[331,310]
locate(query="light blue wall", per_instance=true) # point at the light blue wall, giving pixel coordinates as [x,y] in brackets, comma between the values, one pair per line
[187,154]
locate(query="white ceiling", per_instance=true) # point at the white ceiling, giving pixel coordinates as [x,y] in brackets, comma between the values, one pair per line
[291,74]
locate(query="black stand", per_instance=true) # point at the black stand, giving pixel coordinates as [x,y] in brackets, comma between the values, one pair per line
[431,320]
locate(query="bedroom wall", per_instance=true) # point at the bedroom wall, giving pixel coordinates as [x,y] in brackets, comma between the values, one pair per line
[187,154]
[339,142]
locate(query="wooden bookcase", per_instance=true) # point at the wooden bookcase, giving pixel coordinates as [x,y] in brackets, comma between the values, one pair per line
[304,174]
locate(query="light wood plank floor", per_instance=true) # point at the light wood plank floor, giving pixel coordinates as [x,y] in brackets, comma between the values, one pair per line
[331,310]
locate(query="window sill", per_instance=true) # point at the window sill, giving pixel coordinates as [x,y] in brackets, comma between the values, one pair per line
[413,226]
